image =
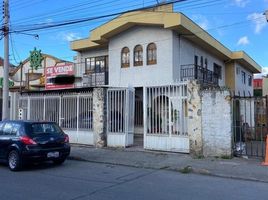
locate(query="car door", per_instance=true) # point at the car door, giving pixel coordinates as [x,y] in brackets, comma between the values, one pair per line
[6,139]
[1,140]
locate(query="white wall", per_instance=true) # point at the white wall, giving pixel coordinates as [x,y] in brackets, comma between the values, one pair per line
[188,51]
[241,87]
[216,123]
[146,75]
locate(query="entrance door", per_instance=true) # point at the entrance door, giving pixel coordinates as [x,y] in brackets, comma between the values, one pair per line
[120,117]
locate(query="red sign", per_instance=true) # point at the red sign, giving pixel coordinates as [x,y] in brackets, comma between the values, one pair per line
[58,70]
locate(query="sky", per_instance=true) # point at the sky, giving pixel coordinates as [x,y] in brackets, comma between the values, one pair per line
[237,24]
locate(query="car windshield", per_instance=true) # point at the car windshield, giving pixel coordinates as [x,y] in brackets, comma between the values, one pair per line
[45,128]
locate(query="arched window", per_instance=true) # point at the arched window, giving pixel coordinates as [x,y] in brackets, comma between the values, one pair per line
[151,54]
[138,55]
[125,57]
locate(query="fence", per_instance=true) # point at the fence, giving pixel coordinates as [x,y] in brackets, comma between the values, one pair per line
[72,111]
[250,117]
[166,118]
[120,116]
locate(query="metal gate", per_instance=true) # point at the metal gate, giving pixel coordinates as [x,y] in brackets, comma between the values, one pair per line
[250,117]
[72,111]
[165,118]
[120,117]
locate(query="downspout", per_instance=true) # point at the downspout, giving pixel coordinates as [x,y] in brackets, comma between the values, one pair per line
[179,58]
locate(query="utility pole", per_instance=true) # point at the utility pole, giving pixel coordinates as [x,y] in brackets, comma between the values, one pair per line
[5,108]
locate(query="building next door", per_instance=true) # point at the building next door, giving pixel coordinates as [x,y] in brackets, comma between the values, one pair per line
[120,117]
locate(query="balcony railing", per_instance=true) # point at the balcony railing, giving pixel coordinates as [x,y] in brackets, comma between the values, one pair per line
[95,78]
[195,72]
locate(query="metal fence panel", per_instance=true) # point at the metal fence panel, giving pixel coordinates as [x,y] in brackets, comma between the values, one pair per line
[71,111]
[166,110]
[165,118]
[250,117]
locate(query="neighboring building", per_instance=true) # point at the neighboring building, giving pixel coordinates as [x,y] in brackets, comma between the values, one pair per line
[257,85]
[261,86]
[26,78]
[261,94]
[265,85]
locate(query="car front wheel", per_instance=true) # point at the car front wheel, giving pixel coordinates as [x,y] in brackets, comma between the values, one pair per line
[14,161]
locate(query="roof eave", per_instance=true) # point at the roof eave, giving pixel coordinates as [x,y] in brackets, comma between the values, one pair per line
[246,61]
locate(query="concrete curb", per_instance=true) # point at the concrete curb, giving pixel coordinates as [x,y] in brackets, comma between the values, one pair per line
[183,170]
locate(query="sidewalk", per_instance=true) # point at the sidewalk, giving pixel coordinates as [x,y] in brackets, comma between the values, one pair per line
[237,168]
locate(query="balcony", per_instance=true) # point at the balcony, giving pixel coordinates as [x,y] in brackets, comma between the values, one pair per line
[95,78]
[201,74]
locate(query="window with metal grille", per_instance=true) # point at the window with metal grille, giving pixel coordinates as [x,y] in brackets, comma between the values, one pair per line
[243,77]
[249,80]
[151,54]
[217,70]
[138,55]
[125,57]
[96,64]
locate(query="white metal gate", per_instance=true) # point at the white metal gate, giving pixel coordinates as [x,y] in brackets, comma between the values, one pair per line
[165,118]
[120,117]
[72,111]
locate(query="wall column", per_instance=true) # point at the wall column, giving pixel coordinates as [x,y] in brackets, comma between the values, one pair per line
[194,118]
[99,117]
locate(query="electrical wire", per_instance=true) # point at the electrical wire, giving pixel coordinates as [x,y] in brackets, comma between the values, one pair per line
[76,21]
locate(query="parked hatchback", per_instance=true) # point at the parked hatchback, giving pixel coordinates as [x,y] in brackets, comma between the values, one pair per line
[22,142]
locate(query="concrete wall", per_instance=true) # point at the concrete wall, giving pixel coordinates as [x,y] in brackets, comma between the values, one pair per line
[146,75]
[194,118]
[216,123]
[209,121]
[99,117]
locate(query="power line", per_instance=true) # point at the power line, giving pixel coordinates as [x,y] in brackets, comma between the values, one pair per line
[77,21]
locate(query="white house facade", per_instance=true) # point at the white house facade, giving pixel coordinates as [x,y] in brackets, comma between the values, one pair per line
[140,79]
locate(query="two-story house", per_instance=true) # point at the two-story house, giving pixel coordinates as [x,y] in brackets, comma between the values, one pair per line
[157,47]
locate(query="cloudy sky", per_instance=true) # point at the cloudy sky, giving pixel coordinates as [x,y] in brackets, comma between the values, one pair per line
[238,24]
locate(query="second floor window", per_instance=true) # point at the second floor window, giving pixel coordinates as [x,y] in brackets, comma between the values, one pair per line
[125,57]
[249,80]
[217,70]
[96,64]
[151,54]
[243,77]
[138,55]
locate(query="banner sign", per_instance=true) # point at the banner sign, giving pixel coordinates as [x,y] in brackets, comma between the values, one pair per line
[58,70]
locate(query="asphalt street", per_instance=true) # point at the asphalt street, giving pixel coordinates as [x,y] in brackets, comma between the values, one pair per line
[76,180]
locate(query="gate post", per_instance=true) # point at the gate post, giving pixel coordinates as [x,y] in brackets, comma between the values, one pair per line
[99,117]
[195,118]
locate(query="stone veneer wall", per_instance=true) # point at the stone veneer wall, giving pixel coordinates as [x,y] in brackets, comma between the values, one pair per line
[216,122]
[194,118]
[99,116]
